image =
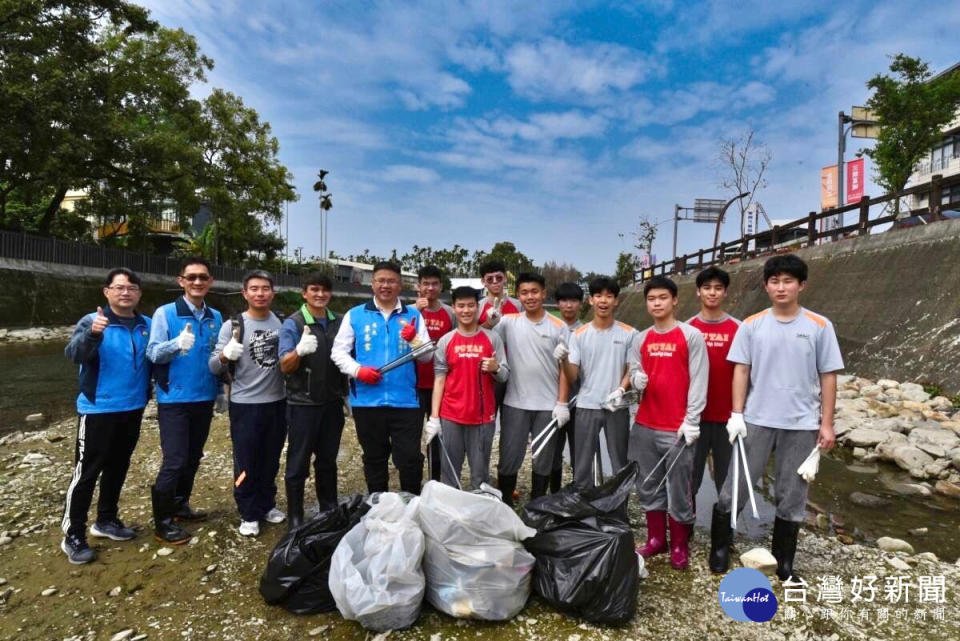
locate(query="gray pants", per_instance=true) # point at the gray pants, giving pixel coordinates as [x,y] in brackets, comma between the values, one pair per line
[616,430]
[713,438]
[647,447]
[516,428]
[473,441]
[789,489]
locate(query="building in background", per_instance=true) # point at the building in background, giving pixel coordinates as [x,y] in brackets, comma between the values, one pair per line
[944,160]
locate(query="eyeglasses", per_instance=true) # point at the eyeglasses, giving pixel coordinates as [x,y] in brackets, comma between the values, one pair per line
[496,278]
[192,277]
[124,288]
[386,281]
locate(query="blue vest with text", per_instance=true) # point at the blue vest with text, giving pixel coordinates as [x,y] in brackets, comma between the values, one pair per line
[376,343]
[187,378]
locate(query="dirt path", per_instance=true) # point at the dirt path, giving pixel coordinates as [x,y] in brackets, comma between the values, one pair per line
[208,589]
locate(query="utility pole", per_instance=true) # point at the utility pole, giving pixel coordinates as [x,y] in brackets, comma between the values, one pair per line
[842,120]
[676,220]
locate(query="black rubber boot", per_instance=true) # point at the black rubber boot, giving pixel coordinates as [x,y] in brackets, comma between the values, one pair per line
[785,547]
[165,528]
[556,480]
[294,505]
[506,485]
[539,485]
[720,536]
[186,513]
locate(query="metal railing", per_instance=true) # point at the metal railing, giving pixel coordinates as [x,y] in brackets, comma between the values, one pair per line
[804,232]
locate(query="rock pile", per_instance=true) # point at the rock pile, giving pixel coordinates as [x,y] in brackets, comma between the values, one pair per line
[35,334]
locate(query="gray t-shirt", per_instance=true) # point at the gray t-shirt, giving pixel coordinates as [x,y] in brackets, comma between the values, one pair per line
[257,378]
[534,372]
[601,355]
[575,385]
[786,359]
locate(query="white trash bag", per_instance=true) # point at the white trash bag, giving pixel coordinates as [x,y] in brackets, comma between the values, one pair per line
[476,566]
[375,573]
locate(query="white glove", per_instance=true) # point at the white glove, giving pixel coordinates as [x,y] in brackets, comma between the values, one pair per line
[186,339]
[690,432]
[808,469]
[638,380]
[307,344]
[493,317]
[233,350]
[735,426]
[561,351]
[614,399]
[561,413]
[431,429]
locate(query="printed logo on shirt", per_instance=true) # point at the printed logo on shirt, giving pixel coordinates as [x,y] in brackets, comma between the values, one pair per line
[263,347]
[468,351]
[661,349]
[716,339]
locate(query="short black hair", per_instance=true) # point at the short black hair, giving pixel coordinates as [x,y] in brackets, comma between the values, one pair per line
[195,260]
[257,273]
[492,266]
[317,277]
[789,264]
[464,291]
[531,277]
[713,273]
[660,282]
[388,265]
[430,271]
[569,291]
[601,283]
[122,271]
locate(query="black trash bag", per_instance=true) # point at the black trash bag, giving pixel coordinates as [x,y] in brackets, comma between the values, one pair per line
[586,561]
[297,572]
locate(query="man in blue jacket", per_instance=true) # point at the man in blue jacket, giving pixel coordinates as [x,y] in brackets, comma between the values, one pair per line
[386,408]
[182,339]
[110,346]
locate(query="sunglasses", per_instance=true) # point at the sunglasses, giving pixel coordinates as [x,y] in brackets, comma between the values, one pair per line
[493,279]
[193,277]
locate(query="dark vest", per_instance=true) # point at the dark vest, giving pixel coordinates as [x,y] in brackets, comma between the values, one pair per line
[318,380]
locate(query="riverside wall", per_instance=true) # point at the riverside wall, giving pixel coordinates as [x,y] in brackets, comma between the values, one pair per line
[894,299]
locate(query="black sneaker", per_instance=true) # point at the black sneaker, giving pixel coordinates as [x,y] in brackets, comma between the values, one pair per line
[77,550]
[112,529]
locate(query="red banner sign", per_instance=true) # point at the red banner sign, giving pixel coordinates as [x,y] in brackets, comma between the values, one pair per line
[854,181]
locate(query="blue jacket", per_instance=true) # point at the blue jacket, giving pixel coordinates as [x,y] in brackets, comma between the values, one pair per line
[114,370]
[187,378]
[376,343]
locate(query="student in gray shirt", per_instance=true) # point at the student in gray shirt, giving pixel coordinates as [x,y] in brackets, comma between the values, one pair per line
[569,298]
[598,355]
[789,357]
[248,349]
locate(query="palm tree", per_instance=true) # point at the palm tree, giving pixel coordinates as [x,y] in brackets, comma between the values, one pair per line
[326,204]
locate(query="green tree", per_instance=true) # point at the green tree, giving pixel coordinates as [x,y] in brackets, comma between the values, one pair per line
[555,273]
[626,268]
[506,252]
[912,108]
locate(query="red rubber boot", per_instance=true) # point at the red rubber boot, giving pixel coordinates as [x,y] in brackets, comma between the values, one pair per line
[656,534]
[679,547]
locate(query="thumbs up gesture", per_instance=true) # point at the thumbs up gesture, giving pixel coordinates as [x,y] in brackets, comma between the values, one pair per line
[186,339]
[100,322]
[308,342]
[233,350]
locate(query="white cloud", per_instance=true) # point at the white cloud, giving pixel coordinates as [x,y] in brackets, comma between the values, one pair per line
[546,126]
[409,173]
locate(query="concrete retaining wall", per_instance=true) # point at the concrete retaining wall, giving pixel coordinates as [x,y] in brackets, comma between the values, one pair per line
[894,299]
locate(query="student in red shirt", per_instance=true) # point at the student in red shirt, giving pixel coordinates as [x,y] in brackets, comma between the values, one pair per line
[493,273]
[718,329]
[672,375]
[467,361]
[439,320]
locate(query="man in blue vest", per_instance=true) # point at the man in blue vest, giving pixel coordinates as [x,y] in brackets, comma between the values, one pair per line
[182,338]
[109,345]
[386,409]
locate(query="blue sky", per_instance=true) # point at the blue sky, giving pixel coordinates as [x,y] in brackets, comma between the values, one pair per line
[553,125]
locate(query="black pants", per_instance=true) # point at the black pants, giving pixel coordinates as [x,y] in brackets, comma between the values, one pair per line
[713,436]
[184,428]
[383,431]
[258,431]
[105,443]
[426,400]
[314,431]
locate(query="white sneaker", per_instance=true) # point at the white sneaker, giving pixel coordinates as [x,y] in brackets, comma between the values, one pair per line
[275,516]
[249,528]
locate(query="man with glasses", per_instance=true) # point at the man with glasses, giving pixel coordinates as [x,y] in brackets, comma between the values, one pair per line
[248,347]
[493,273]
[386,409]
[182,337]
[109,345]
[439,320]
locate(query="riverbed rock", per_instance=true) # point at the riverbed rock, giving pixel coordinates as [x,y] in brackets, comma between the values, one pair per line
[12,439]
[886,449]
[847,394]
[888,383]
[914,406]
[35,458]
[868,500]
[892,424]
[946,439]
[898,564]
[910,458]
[914,392]
[759,559]
[49,592]
[866,437]
[123,635]
[948,489]
[941,404]
[893,394]
[909,489]
[34,418]
[871,391]
[890,544]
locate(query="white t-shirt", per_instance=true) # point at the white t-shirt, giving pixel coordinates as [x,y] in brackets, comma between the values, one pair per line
[534,372]
[601,355]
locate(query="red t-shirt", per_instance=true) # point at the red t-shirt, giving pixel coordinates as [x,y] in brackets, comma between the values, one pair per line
[718,336]
[468,393]
[509,306]
[666,361]
[438,323]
